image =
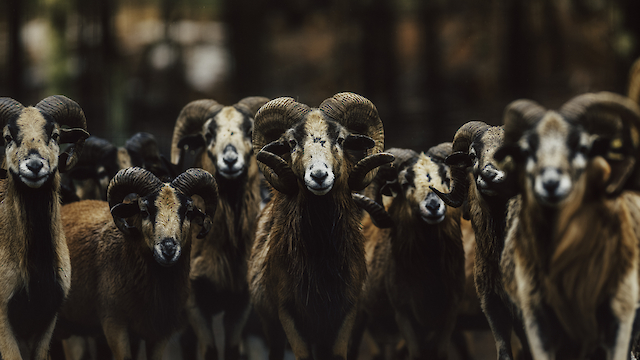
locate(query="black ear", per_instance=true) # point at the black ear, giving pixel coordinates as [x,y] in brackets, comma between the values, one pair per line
[276,147]
[512,150]
[192,142]
[123,210]
[358,142]
[459,158]
[391,188]
[70,136]
[600,147]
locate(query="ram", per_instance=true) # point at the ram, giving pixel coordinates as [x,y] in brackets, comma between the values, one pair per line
[570,261]
[222,136]
[486,192]
[101,160]
[307,266]
[36,272]
[416,268]
[131,258]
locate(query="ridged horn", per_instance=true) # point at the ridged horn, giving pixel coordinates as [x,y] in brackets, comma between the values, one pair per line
[130,180]
[359,115]
[190,121]
[634,82]
[67,112]
[616,118]
[462,140]
[271,121]
[252,104]
[199,182]
[379,216]
[9,108]
[440,152]
[519,116]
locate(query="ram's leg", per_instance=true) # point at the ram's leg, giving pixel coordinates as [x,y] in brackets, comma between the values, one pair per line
[8,344]
[117,338]
[201,326]
[357,334]
[623,309]
[155,349]
[234,321]
[275,336]
[299,346]
[41,344]
[412,333]
[500,322]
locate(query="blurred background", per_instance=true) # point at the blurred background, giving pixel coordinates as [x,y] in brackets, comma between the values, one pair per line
[428,65]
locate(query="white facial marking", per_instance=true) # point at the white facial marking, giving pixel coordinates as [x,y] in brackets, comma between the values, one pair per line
[318,156]
[231,145]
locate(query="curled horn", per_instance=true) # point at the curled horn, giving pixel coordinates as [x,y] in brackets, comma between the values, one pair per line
[9,108]
[440,151]
[67,112]
[252,104]
[359,115]
[130,180]
[189,122]
[519,116]
[615,118]
[271,121]
[388,173]
[199,182]
[634,82]
[462,140]
[378,214]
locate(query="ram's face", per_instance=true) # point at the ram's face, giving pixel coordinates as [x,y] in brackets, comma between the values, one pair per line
[228,141]
[415,180]
[316,152]
[165,223]
[489,178]
[556,156]
[31,147]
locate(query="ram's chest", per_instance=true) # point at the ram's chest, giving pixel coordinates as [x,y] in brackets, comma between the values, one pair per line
[33,307]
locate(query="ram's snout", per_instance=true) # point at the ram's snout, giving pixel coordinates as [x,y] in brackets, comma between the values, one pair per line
[489,179]
[552,185]
[319,177]
[167,251]
[230,163]
[432,209]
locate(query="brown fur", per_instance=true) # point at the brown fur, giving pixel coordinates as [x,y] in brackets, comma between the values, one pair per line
[30,226]
[118,287]
[281,289]
[583,262]
[416,271]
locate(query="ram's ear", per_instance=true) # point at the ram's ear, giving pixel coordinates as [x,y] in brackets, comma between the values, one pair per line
[358,142]
[458,158]
[125,210]
[192,142]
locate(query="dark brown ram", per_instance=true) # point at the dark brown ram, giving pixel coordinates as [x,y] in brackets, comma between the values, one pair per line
[307,267]
[36,272]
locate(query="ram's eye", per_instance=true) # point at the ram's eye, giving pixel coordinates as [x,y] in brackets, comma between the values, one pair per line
[208,136]
[55,136]
[293,143]
[8,138]
[340,140]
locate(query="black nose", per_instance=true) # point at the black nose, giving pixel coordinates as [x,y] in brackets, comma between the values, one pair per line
[319,175]
[433,205]
[34,166]
[230,155]
[169,249]
[551,186]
